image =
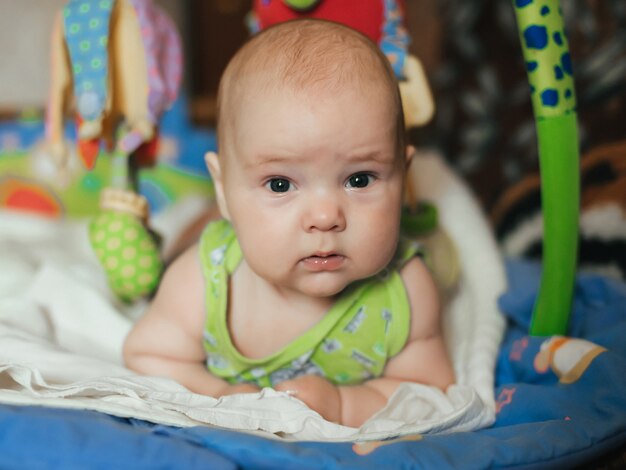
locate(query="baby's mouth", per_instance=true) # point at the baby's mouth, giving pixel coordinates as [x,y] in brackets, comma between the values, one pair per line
[324,261]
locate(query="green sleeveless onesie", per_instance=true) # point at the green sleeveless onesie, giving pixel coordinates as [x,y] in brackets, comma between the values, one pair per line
[367,325]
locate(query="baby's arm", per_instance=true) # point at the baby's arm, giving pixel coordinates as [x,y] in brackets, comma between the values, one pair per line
[167,339]
[424,360]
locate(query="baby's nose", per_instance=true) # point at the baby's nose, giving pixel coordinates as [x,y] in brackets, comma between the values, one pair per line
[325,214]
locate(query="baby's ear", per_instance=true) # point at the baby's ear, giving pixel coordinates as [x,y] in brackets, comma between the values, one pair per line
[213,164]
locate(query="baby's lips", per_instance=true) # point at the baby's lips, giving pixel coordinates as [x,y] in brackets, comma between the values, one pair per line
[329,262]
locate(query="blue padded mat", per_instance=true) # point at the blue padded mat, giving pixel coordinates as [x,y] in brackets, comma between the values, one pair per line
[542,422]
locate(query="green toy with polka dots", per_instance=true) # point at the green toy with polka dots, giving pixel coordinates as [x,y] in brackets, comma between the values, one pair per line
[548,63]
[127,250]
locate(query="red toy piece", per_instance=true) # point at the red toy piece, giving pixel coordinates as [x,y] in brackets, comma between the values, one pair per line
[88,149]
[365,16]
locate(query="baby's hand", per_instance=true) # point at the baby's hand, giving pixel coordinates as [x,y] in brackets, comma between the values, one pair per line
[317,393]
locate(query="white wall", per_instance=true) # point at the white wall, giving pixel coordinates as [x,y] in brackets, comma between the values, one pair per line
[25,28]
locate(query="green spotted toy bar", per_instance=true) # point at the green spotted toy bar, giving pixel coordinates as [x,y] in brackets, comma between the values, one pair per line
[549,67]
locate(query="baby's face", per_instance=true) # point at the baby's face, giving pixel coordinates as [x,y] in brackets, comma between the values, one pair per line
[313,187]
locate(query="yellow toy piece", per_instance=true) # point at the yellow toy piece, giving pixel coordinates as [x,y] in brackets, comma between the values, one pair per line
[417,98]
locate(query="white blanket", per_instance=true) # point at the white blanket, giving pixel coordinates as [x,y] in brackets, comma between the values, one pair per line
[61,333]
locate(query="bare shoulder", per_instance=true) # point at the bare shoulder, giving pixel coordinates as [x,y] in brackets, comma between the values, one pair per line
[423,299]
[180,297]
[424,358]
[188,263]
[171,327]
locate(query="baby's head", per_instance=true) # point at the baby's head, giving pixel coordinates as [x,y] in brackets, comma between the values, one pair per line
[312,156]
[308,56]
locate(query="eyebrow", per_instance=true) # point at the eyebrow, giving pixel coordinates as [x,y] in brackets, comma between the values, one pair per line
[377,156]
[263,159]
[256,160]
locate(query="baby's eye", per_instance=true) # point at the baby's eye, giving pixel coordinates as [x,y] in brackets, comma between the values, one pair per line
[359,180]
[278,185]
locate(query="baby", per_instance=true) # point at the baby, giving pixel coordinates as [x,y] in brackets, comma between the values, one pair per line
[305,285]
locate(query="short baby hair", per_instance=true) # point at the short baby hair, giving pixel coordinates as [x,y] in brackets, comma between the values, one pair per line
[311,55]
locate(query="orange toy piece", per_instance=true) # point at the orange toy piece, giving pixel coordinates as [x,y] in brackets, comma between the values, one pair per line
[88,149]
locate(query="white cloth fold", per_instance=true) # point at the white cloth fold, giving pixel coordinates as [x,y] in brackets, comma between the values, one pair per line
[61,335]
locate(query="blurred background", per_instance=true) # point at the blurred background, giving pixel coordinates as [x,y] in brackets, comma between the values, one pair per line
[483,123]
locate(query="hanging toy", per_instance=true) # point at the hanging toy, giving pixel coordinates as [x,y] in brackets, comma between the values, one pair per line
[119,62]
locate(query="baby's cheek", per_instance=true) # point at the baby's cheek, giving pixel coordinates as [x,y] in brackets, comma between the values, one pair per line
[379,235]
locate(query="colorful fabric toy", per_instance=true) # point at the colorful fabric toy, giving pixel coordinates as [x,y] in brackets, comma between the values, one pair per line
[122,58]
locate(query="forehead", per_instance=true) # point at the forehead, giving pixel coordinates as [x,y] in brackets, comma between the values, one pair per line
[299,120]
[262,92]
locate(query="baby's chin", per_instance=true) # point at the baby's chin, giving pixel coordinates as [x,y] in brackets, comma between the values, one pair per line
[325,287]
[322,292]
